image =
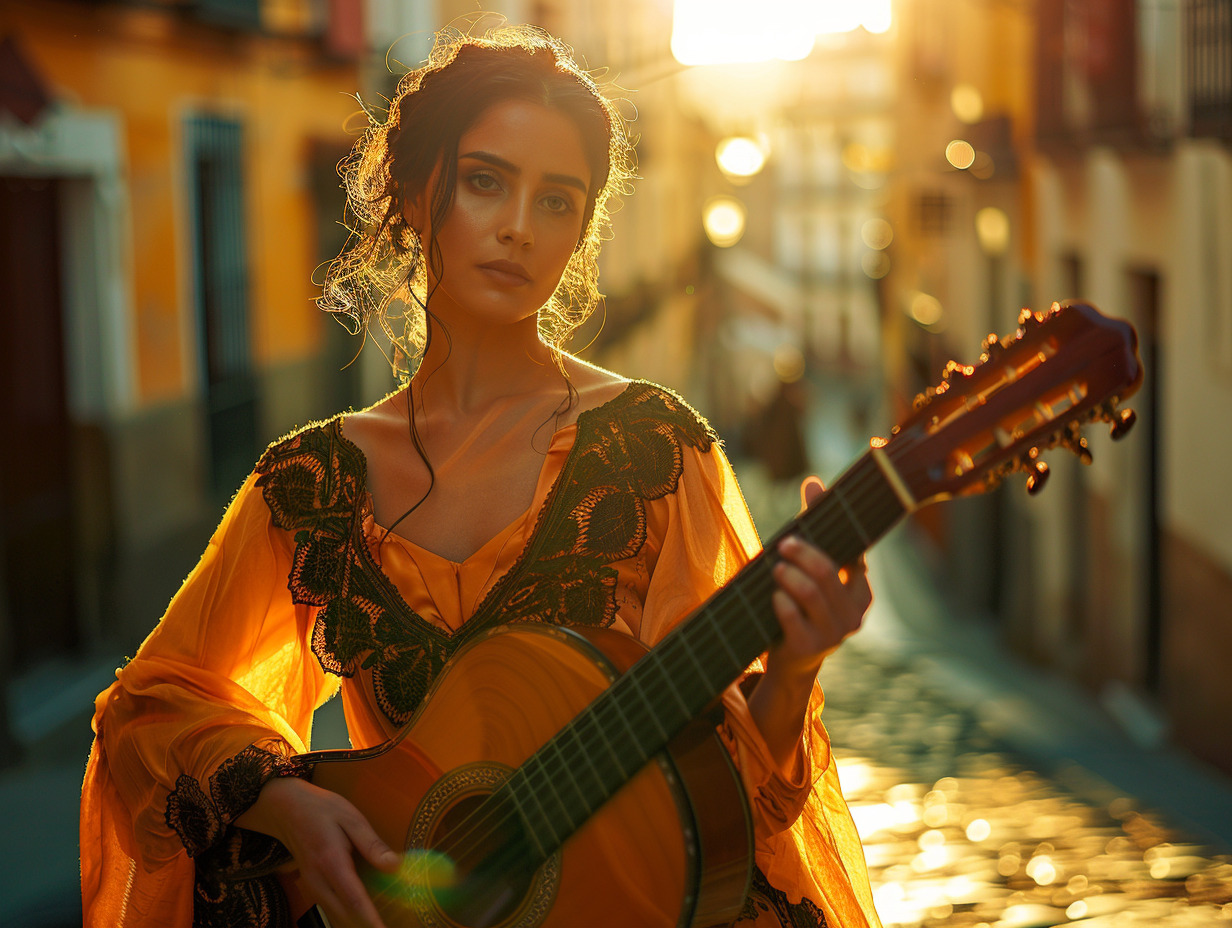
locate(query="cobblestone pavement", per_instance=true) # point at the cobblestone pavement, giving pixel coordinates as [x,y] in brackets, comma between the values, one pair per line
[960,832]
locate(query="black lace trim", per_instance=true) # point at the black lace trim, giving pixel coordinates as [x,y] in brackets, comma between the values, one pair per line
[765,898]
[627,452]
[201,820]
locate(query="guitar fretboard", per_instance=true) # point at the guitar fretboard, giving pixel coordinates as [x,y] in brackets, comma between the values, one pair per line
[558,788]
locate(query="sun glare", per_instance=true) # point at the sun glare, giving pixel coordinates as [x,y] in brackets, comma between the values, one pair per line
[733,31]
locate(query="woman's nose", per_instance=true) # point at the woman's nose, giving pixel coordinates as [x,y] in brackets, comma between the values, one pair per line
[515,225]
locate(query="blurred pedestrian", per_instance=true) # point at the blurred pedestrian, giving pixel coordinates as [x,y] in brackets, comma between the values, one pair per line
[524,485]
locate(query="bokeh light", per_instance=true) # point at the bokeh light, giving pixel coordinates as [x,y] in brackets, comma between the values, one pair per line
[739,157]
[788,363]
[875,264]
[723,219]
[960,153]
[967,103]
[925,309]
[877,233]
[978,830]
[992,228]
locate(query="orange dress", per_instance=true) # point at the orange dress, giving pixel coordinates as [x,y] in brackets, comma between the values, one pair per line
[635,521]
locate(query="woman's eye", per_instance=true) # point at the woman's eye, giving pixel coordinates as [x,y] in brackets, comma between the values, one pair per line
[484,182]
[557,204]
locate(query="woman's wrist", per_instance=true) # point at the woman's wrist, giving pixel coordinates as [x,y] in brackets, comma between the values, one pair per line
[270,808]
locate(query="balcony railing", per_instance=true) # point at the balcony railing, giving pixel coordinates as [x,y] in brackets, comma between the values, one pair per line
[1208,67]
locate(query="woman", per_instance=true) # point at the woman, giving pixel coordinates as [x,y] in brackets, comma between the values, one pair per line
[524,485]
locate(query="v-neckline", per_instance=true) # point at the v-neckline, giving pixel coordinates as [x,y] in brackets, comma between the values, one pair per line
[369,509]
[532,535]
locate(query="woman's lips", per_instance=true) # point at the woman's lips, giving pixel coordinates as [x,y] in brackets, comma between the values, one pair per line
[509,272]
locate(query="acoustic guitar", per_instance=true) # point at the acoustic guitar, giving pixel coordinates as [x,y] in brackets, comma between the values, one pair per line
[563,777]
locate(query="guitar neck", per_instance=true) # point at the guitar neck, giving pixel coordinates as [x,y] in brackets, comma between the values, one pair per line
[563,783]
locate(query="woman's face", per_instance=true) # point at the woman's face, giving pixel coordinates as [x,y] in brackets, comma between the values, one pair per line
[516,214]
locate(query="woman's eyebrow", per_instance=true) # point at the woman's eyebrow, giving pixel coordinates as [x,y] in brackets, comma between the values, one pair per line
[499,162]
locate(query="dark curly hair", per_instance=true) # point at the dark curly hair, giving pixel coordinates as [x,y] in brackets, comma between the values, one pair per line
[382,273]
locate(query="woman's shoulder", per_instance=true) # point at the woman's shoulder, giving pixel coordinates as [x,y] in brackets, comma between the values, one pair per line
[637,404]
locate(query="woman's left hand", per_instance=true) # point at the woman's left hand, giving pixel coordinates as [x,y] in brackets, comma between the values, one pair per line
[818,606]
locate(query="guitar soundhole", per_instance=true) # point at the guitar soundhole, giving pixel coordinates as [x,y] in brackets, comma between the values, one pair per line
[483,874]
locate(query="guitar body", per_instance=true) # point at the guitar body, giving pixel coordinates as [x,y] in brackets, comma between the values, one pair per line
[672,848]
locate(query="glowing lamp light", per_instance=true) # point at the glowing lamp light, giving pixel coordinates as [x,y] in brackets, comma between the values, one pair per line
[723,219]
[739,158]
[925,309]
[960,153]
[992,228]
[967,104]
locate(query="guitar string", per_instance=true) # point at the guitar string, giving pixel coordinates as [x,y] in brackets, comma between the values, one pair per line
[863,475]
[761,587]
[763,583]
[758,583]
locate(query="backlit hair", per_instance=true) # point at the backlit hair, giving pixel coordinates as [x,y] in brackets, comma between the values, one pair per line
[382,273]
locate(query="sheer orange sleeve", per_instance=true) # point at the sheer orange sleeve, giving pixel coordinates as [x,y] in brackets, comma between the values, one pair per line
[218,699]
[806,842]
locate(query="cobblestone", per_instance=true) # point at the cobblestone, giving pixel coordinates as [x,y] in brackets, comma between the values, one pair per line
[960,832]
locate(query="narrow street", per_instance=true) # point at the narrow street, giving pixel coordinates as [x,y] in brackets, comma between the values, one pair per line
[990,794]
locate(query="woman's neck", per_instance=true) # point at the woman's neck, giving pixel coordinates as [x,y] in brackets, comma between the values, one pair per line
[465,371]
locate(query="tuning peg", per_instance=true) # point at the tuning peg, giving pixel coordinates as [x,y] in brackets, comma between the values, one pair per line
[1078,445]
[991,346]
[1122,422]
[1037,477]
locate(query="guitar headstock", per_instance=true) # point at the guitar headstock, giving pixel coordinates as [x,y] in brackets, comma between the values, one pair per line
[1029,392]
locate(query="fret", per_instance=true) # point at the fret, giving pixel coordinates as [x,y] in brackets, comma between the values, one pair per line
[565,761]
[654,660]
[723,640]
[686,645]
[511,788]
[635,684]
[583,753]
[612,699]
[546,785]
[591,719]
[764,636]
[837,493]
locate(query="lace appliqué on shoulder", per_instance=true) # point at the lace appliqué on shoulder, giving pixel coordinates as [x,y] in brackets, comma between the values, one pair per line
[627,452]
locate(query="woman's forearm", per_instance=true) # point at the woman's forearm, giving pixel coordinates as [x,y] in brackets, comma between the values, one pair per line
[778,706]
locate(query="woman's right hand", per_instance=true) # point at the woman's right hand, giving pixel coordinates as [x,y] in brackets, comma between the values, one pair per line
[323,831]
